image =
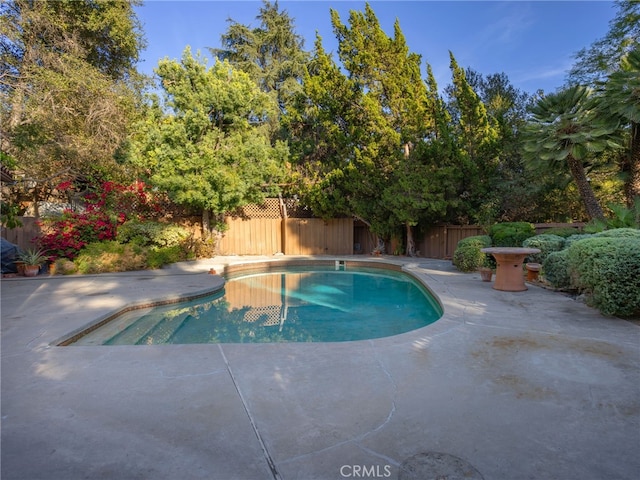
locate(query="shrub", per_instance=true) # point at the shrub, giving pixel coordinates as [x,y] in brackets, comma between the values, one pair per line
[152,234]
[511,234]
[576,238]
[555,269]
[106,208]
[619,233]
[69,233]
[110,256]
[547,243]
[113,256]
[608,270]
[157,257]
[563,232]
[468,256]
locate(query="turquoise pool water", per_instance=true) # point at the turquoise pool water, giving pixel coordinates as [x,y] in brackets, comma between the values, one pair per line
[295,305]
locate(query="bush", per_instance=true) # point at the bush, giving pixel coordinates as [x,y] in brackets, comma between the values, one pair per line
[608,270]
[113,256]
[157,257]
[468,256]
[152,234]
[110,256]
[68,234]
[555,269]
[563,232]
[511,234]
[576,238]
[547,243]
[619,233]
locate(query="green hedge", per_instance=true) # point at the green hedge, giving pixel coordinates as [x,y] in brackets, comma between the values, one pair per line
[547,244]
[576,238]
[511,234]
[152,234]
[555,269]
[607,269]
[619,233]
[562,231]
[468,256]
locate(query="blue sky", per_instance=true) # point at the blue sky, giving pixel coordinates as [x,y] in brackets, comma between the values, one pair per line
[533,42]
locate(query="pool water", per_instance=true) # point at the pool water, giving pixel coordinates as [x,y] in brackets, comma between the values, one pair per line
[322,305]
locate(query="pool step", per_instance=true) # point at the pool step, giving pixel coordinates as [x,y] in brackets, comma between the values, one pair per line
[140,332]
[164,330]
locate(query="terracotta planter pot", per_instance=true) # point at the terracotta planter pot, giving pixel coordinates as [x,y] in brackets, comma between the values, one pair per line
[533,270]
[31,270]
[486,274]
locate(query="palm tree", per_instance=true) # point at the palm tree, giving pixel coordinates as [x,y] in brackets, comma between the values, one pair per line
[563,130]
[619,99]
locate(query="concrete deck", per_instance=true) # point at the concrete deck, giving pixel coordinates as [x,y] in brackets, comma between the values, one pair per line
[526,385]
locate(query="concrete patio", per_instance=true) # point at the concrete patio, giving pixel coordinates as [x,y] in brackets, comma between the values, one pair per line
[526,385]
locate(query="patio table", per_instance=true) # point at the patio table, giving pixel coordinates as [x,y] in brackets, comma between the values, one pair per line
[509,275]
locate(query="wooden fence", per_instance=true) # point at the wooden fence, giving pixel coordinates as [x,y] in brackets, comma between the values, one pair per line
[267,229]
[23,236]
[440,241]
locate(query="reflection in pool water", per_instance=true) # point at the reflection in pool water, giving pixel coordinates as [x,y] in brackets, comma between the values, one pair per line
[287,306]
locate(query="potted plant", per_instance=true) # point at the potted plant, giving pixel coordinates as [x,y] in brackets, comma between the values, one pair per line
[32,259]
[485,269]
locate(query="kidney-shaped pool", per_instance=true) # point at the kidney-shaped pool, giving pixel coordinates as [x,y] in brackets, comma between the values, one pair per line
[289,304]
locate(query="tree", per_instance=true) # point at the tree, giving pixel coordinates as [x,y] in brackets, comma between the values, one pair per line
[272,54]
[619,101]
[564,130]
[477,140]
[68,87]
[595,63]
[212,151]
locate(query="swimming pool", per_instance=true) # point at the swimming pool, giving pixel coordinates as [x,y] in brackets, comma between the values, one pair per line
[329,302]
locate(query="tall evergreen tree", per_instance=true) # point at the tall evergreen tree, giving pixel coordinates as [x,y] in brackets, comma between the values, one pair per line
[477,138]
[272,54]
[212,153]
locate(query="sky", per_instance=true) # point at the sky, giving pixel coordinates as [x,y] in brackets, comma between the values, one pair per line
[533,42]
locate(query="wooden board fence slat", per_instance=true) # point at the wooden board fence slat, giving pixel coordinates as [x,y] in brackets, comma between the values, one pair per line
[23,236]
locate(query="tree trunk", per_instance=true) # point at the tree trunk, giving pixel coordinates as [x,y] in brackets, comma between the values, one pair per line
[411,245]
[632,184]
[594,210]
[206,224]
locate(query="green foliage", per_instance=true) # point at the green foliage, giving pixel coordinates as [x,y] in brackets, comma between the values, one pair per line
[468,256]
[563,232]
[576,238]
[152,234]
[607,269]
[563,134]
[69,89]
[555,269]
[547,243]
[110,256]
[9,213]
[621,217]
[113,256]
[272,54]
[157,257]
[511,234]
[619,233]
[32,257]
[213,153]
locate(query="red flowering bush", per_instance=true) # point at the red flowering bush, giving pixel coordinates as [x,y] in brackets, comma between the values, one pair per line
[106,209]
